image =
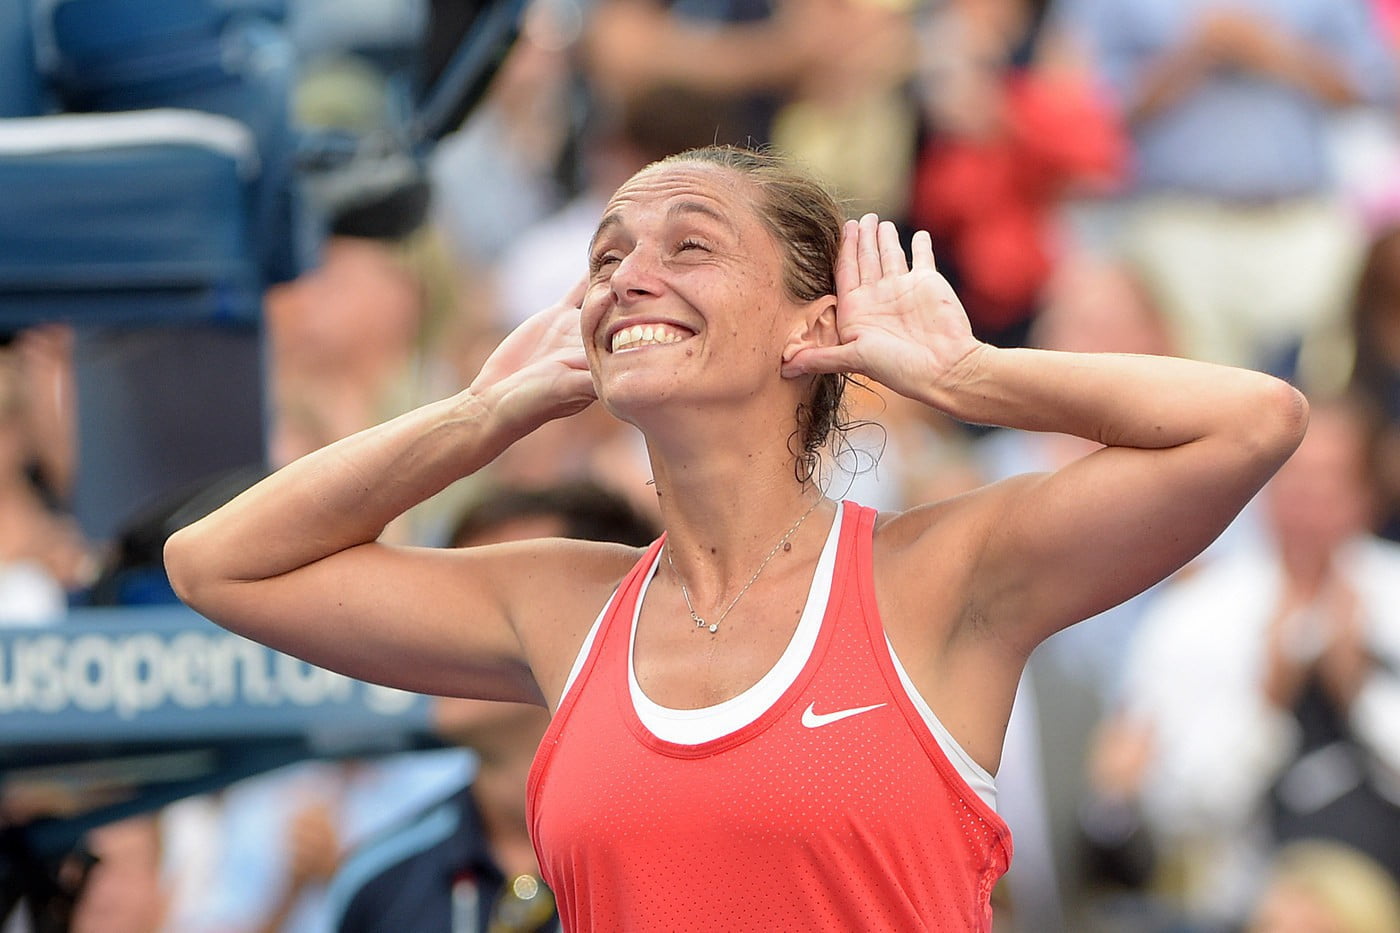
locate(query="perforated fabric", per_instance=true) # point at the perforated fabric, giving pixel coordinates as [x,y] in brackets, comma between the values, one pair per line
[856,822]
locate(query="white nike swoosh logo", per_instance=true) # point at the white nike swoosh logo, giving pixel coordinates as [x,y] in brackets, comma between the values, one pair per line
[812,719]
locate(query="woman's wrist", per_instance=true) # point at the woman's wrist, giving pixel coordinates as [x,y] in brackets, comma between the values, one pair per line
[498,414]
[482,422]
[963,388]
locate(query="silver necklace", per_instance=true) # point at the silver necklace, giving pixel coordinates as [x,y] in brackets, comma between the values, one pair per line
[781,545]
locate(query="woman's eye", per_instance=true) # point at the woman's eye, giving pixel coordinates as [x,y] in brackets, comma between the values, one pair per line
[691,244]
[605,259]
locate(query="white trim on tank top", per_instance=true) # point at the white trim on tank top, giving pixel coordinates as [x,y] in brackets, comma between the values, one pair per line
[976,776]
[697,726]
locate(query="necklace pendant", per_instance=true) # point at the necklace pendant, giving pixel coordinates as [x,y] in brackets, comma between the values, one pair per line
[714,627]
[699,622]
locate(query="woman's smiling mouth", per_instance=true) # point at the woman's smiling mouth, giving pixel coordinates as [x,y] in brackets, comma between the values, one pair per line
[647,335]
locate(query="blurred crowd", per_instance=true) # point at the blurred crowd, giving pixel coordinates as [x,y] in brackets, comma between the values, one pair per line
[1217,179]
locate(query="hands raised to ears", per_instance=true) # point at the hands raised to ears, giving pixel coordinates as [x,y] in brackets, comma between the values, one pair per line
[898,322]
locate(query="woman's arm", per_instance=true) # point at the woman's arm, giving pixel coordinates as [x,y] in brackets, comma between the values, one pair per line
[294,562]
[1187,444]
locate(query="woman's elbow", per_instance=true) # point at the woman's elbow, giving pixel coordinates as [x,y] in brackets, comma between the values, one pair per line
[1278,419]
[185,567]
[1284,416]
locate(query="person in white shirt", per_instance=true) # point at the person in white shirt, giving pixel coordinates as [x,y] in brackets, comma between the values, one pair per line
[1268,683]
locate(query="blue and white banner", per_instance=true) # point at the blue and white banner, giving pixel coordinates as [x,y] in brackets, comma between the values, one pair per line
[159,674]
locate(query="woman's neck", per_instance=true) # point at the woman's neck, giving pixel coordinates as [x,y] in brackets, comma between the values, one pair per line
[721,527]
[726,486]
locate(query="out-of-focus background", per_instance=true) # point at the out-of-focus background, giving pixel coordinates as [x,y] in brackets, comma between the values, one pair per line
[233,231]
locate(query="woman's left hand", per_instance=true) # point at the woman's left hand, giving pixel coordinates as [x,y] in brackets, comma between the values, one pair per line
[900,326]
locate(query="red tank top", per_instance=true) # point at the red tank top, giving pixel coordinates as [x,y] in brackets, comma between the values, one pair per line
[800,820]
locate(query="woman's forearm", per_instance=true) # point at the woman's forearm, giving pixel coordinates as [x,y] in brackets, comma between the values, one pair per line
[1119,400]
[342,495]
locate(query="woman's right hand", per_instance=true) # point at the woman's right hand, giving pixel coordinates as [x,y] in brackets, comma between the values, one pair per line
[539,372]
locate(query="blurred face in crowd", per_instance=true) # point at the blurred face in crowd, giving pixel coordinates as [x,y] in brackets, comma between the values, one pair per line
[1095,305]
[1321,496]
[14,439]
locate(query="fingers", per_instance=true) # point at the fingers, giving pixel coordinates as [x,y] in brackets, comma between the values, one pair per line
[922,250]
[892,260]
[847,270]
[837,359]
[870,250]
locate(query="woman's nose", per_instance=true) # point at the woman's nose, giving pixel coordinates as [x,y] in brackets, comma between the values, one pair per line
[636,276]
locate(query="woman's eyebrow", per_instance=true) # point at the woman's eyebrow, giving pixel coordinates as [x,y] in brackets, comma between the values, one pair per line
[679,209]
[682,208]
[610,220]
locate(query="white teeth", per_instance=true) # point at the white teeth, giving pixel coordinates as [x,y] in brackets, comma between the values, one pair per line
[646,335]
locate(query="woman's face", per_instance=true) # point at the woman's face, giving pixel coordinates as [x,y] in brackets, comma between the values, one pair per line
[685,296]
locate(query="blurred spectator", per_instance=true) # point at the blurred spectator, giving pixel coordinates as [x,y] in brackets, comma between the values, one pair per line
[1006,143]
[1265,684]
[751,53]
[113,883]
[1323,887]
[380,326]
[500,171]
[1375,374]
[466,864]
[124,891]
[1093,304]
[45,356]
[1234,219]
[42,553]
[282,835]
[343,341]
[850,117]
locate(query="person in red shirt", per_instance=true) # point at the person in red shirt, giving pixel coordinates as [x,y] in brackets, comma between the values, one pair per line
[1004,145]
[761,720]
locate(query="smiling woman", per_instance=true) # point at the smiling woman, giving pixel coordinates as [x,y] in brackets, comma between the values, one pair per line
[787,711]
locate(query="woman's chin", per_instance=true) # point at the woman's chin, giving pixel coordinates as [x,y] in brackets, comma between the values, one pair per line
[633,404]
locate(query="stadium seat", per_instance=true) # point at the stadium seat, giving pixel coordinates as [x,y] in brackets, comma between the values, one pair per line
[149,163]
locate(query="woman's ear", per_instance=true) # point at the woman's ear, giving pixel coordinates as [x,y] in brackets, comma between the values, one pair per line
[816,328]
